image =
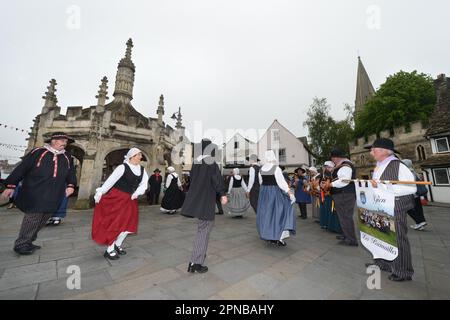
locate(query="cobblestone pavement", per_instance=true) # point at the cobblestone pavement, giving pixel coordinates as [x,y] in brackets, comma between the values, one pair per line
[241,266]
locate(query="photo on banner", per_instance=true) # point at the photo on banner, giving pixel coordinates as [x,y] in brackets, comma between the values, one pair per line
[376,219]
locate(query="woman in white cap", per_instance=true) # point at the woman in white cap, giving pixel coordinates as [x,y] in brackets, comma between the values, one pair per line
[116,212]
[173,196]
[275,220]
[238,202]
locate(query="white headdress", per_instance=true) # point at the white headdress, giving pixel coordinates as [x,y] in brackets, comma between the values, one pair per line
[329,164]
[270,157]
[130,154]
[171,169]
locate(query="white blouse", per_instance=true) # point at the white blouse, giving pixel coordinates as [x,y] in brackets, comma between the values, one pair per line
[404,174]
[118,173]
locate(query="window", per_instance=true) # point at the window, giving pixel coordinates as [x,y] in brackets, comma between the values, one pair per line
[421,153]
[441,176]
[442,145]
[276,135]
[236,145]
[282,155]
[363,159]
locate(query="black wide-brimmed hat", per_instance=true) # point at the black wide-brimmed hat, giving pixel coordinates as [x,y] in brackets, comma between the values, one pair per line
[156,170]
[252,157]
[59,136]
[383,143]
[337,153]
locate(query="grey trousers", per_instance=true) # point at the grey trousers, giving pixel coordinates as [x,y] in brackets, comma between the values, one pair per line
[402,265]
[32,223]
[201,241]
[345,205]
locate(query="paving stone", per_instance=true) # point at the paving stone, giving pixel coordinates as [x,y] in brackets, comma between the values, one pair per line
[28,275]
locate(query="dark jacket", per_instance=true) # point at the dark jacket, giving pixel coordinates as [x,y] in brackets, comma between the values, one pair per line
[206,184]
[44,181]
[155,183]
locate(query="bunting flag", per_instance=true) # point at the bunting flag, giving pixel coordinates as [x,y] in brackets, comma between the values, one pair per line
[13,147]
[2,125]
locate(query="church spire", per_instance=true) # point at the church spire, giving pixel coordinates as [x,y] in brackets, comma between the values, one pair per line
[50,97]
[125,76]
[102,93]
[160,110]
[179,124]
[364,88]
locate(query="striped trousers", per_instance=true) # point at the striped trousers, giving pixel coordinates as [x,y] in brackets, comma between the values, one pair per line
[32,223]
[201,241]
[402,265]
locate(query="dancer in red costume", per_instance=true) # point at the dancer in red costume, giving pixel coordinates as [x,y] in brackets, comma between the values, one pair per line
[116,212]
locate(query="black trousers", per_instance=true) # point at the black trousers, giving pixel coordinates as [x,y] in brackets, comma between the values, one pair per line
[303,212]
[153,197]
[417,212]
[32,223]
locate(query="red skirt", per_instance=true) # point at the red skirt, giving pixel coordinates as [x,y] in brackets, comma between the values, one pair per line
[115,213]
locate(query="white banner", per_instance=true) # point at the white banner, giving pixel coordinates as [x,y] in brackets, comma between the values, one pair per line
[376,219]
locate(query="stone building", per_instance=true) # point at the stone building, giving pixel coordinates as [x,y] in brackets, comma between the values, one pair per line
[409,140]
[437,166]
[105,131]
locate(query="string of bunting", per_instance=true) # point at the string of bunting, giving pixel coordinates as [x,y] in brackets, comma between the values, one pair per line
[13,147]
[2,125]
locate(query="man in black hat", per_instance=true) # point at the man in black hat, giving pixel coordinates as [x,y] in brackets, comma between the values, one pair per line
[155,182]
[344,195]
[47,174]
[200,201]
[389,167]
[253,182]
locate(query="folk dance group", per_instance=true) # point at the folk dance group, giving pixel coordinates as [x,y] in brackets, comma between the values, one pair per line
[47,175]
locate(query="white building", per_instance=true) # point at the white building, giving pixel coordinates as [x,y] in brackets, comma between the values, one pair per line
[292,151]
[235,152]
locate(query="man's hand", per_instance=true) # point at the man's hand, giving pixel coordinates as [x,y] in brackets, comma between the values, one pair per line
[7,193]
[247,194]
[69,191]
[374,183]
[224,200]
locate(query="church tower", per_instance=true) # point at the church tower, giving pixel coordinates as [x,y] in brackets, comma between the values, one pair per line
[123,91]
[364,88]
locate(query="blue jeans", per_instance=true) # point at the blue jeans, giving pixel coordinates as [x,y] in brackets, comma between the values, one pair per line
[62,210]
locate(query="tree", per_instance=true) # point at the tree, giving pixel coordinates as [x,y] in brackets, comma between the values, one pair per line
[404,98]
[324,132]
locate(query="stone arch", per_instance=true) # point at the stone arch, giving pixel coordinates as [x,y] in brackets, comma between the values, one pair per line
[114,157]
[420,150]
[78,153]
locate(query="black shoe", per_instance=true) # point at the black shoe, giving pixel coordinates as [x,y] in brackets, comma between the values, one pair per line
[316,221]
[110,257]
[194,267]
[281,243]
[394,277]
[27,250]
[302,217]
[219,212]
[341,237]
[35,247]
[120,250]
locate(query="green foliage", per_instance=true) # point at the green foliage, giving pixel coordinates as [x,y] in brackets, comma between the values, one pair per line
[405,97]
[324,132]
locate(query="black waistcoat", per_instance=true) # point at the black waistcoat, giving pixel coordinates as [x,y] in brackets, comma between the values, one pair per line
[268,177]
[237,183]
[403,203]
[129,182]
[350,188]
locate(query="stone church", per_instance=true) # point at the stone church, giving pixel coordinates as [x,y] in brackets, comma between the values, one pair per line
[104,132]
[410,141]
